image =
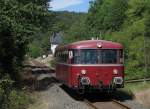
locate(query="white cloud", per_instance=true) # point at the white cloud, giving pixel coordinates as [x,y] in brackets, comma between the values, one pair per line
[61,4]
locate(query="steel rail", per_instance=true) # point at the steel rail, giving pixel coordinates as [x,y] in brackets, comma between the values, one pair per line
[120,104]
[137,80]
[90,104]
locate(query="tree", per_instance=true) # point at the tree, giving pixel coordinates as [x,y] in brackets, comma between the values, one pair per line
[77,31]
[116,15]
[147,41]
[106,15]
[19,21]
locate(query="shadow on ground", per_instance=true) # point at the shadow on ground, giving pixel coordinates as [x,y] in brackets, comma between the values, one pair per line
[45,83]
[38,78]
[98,96]
[38,69]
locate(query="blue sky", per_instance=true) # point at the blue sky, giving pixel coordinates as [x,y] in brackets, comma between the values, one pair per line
[70,5]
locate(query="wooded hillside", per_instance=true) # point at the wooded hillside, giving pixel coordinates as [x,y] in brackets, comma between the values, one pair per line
[20,20]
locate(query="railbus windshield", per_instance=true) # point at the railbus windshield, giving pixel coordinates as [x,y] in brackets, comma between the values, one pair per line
[94,56]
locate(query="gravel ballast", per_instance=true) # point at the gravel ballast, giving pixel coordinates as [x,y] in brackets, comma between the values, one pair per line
[56,98]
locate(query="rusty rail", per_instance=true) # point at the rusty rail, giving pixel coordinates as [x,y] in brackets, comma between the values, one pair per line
[120,104]
[137,80]
[90,104]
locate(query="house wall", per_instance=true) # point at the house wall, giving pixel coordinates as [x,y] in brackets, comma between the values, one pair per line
[53,47]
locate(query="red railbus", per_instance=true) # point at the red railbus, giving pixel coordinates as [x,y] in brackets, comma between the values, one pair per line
[90,64]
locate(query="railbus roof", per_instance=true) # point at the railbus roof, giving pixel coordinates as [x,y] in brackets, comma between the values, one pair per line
[91,44]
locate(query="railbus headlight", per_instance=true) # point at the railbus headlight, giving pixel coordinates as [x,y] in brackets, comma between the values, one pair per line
[83,72]
[115,72]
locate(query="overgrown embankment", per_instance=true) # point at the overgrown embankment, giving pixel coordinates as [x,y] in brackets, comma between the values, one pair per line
[20,20]
[139,91]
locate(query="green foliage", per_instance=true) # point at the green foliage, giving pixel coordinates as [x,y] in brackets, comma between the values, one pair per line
[133,88]
[11,98]
[52,63]
[40,45]
[106,15]
[64,20]
[35,50]
[77,31]
[116,15]
[18,100]
[19,22]
[147,40]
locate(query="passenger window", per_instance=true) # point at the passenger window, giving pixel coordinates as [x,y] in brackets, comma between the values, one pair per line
[121,60]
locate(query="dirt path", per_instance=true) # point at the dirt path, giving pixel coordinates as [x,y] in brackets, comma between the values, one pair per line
[143,97]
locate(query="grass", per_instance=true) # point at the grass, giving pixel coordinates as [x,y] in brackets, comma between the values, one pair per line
[35,97]
[136,87]
[52,64]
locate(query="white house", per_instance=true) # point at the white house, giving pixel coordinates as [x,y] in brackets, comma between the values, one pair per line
[55,40]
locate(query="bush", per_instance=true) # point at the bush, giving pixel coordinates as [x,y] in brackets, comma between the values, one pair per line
[18,100]
[11,98]
[35,50]
[52,63]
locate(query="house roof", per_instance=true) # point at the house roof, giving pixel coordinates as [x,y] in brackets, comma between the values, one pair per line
[56,38]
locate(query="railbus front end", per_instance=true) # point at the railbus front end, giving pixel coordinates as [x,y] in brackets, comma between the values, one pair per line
[100,69]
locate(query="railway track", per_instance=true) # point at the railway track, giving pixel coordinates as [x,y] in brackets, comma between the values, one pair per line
[113,104]
[137,80]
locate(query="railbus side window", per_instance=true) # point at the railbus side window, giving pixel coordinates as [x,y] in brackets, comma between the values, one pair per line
[62,56]
[121,57]
[76,57]
[65,56]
